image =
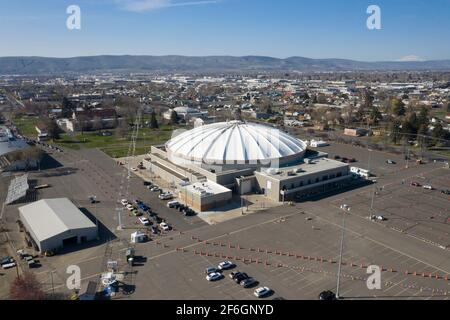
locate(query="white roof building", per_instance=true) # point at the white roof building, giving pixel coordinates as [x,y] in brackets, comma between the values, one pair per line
[55,223]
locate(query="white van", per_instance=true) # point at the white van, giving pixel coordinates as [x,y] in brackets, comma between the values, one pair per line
[9,265]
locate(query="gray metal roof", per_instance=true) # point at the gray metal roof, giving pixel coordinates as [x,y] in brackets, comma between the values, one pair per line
[50,217]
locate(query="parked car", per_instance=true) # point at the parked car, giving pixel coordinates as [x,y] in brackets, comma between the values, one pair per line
[345,207]
[428,187]
[130,207]
[155,230]
[379,218]
[124,202]
[6,260]
[415,184]
[210,270]
[144,221]
[240,277]
[262,292]
[32,264]
[166,196]
[445,192]
[226,265]
[137,213]
[189,213]
[327,295]
[147,183]
[173,204]
[391,162]
[164,226]
[248,283]
[214,276]
[155,189]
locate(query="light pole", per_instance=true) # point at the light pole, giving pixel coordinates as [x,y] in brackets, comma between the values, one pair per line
[340,254]
[373,191]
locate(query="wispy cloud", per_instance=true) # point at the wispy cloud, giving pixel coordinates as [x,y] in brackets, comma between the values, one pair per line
[149,5]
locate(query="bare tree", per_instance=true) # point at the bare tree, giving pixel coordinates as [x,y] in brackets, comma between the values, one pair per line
[97,124]
[27,287]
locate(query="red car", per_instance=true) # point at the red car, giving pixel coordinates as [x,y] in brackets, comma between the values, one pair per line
[415,184]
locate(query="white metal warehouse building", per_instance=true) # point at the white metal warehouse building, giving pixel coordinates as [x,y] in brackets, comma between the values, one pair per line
[56,223]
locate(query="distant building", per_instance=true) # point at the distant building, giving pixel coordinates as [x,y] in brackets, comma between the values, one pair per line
[92,119]
[355,132]
[185,113]
[42,134]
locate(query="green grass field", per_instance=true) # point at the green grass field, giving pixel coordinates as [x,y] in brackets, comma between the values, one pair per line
[113,145]
[26,125]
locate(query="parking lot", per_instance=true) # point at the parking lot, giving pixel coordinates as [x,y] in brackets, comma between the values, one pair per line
[291,249]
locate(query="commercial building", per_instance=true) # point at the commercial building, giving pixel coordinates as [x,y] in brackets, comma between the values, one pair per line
[56,223]
[211,162]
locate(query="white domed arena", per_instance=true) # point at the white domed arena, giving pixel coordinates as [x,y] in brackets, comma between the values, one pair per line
[210,163]
[235,144]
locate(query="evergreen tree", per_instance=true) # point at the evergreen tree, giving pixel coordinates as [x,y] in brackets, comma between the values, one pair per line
[153,122]
[174,119]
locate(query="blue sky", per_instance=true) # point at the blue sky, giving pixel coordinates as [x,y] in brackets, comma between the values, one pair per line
[279,28]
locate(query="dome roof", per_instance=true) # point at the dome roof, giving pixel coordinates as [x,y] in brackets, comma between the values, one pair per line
[234,142]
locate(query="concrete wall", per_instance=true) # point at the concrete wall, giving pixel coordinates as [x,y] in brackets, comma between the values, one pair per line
[206,203]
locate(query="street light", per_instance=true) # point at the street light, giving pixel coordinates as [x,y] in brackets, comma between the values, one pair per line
[344,209]
[373,191]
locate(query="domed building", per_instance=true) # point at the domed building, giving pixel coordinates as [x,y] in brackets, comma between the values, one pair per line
[234,145]
[211,162]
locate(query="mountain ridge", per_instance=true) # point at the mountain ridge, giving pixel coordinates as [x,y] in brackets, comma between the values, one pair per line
[177,63]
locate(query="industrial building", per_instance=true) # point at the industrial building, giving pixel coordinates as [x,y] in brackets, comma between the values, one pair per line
[211,162]
[56,223]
